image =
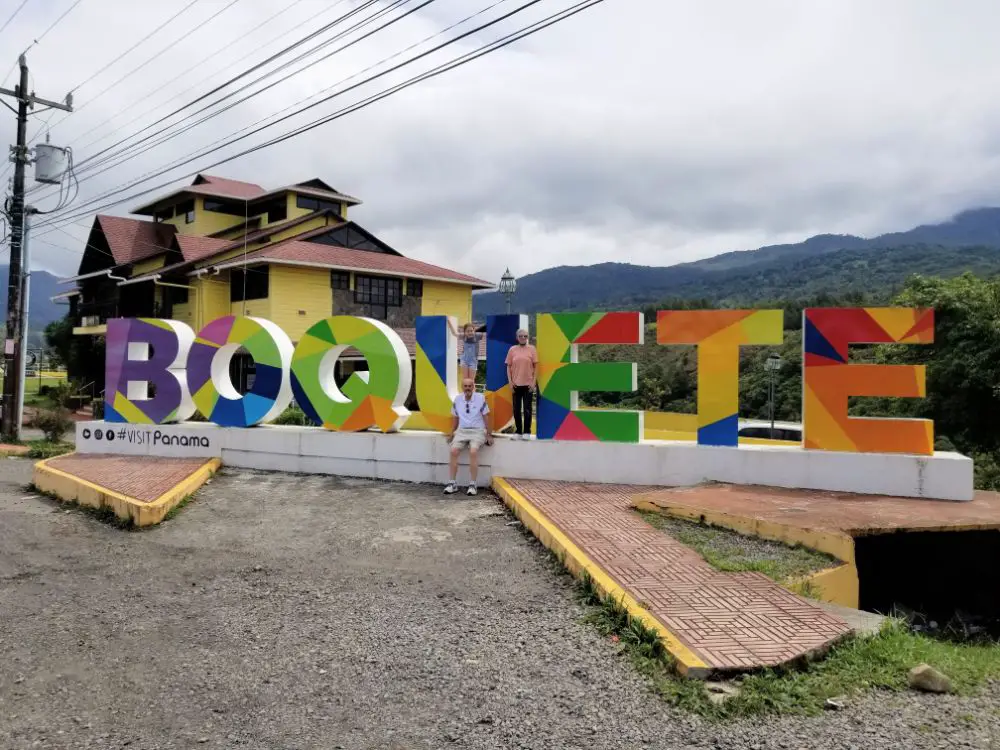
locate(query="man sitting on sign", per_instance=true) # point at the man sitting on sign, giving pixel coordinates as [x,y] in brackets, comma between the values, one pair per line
[468,430]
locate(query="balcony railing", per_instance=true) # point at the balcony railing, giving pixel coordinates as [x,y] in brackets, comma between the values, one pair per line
[91,314]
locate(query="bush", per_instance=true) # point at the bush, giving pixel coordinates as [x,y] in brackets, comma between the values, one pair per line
[54,423]
[293,415]
[61,394]
[987,471]
[45,449]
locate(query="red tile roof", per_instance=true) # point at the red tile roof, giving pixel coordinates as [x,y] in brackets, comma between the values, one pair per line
[194,247]
[311,253]
[225,188]
[132,240]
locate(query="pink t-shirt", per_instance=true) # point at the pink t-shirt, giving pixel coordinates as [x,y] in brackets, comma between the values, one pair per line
[522,360]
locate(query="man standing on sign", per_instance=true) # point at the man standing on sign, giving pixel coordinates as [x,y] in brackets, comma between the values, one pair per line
[522,363]
[468,430]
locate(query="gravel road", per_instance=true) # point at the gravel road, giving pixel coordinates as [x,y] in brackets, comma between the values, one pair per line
[308,612]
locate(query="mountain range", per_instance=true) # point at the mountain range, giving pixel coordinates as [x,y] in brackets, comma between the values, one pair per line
[823,264]
[41,309]
[826,263]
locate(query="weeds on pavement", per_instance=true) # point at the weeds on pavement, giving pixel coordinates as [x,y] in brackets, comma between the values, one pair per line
[40,449]
[732,552]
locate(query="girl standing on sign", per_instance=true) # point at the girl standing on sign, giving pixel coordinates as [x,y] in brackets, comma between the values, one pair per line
[469,356]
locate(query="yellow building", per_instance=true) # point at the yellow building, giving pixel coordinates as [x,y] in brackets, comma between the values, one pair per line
[291,255]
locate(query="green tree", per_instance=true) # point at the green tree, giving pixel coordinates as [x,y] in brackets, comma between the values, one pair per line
[59,341]
[77,353]
[963,392]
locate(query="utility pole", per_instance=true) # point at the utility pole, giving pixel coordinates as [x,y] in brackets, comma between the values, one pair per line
[12,350]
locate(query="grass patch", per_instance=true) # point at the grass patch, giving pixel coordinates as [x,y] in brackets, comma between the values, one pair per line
[175,511]
[732,552]
[854,666]
[47,449]
[104,515]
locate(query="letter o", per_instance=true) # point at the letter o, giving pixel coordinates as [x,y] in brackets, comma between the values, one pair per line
[208,371]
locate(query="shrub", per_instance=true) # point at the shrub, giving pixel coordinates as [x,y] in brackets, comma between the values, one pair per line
[61,394]
[987,471]
[294,416]
[54,423]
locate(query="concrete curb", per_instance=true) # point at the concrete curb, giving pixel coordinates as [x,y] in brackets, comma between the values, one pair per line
[70,488]
[576,561]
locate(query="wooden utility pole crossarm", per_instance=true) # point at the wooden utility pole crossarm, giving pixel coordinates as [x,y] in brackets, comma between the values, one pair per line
[15,280]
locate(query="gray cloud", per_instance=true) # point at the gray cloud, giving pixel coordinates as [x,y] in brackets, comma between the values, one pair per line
[640,131]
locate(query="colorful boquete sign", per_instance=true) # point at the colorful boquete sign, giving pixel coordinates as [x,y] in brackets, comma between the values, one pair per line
[190,372]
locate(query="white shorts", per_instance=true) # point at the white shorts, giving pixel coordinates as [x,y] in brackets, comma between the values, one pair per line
[468,438]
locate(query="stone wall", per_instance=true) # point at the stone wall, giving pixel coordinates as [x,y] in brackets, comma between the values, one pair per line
[404,316]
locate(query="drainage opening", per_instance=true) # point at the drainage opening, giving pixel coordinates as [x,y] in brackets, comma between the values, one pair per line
[947,581]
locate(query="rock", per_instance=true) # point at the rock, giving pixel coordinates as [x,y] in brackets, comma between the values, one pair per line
[928,679]
[720,692]
[835,704]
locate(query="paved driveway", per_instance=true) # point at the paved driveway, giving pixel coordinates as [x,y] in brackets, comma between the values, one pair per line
[311,612]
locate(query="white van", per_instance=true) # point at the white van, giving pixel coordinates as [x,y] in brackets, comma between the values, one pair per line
[760,429]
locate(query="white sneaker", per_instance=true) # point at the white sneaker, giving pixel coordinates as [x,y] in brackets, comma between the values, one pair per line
[451,488]
[472,490]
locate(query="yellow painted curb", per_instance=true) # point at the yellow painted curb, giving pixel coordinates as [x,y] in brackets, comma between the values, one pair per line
[576,561]
[70,488]
[836,585]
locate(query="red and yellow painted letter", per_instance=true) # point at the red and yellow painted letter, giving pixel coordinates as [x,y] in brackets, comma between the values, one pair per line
[719,334]
[828,379]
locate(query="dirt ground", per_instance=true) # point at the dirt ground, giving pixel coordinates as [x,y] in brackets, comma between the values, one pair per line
[282,611]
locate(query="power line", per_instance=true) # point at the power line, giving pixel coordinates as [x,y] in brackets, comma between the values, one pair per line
[89,164]
[305,108]
[181,75]
[438,70]
[196,65]
[13,15]
[232,80]
[100,161]
[201,25]
[33,43]
[56,22]
[373,77]
[342,80]
[128,153]
[123,54]
[134,46]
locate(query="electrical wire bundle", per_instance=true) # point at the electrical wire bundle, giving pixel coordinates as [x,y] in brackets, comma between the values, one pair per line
[273,70]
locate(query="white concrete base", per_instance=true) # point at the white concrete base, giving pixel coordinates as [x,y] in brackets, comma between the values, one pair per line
[423,457]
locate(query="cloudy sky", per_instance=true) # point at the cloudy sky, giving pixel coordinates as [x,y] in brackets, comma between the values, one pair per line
[646,131]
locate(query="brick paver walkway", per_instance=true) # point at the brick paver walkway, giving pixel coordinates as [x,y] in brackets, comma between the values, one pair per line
[732,621]
[852,514]
[140,477]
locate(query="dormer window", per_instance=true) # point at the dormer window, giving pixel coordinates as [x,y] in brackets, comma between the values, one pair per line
[186,209]
[315,204]
[277,211]
[225,207]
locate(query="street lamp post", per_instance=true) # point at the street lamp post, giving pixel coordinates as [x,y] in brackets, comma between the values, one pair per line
[508,285]
[772,364]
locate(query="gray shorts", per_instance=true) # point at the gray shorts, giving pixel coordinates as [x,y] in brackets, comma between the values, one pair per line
[468,439]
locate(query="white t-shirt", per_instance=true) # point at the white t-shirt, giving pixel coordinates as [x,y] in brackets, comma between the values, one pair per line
[471,413]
